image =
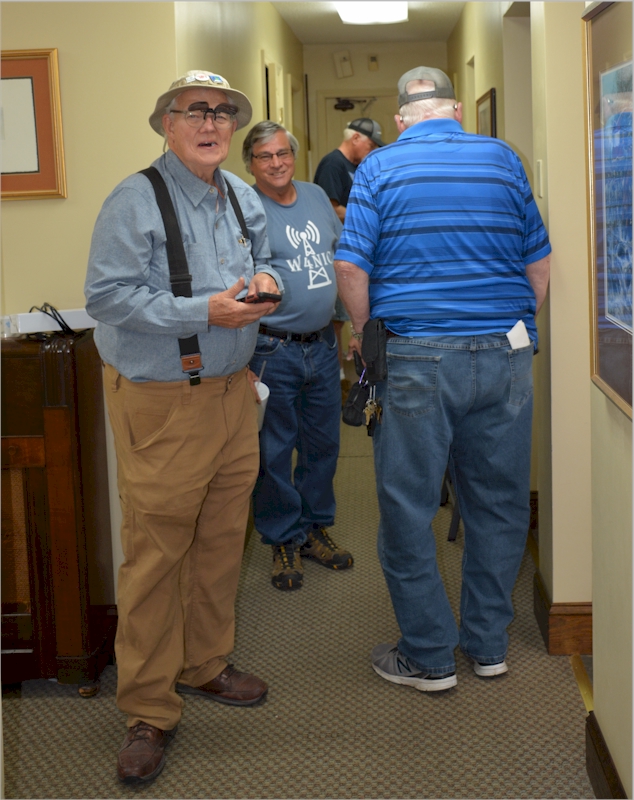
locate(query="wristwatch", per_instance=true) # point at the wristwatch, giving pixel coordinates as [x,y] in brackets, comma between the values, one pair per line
[355,335]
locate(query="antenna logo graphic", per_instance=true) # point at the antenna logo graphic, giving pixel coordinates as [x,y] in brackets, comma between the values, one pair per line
[310,234]
[318,276]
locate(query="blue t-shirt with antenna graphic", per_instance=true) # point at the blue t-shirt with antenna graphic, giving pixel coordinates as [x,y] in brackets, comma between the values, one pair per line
[303,237]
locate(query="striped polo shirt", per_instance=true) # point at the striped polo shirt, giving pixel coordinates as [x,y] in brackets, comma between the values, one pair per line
[444,222]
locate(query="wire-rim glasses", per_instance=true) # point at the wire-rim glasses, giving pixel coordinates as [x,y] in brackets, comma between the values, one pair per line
[266,158]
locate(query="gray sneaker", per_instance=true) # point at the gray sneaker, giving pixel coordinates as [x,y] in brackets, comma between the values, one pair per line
[490,670]
[392,665]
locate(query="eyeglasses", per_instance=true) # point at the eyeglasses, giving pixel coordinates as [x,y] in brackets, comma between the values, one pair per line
[283,155]
[195,116]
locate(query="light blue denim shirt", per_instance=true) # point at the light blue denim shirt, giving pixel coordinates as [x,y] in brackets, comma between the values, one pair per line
[128,288]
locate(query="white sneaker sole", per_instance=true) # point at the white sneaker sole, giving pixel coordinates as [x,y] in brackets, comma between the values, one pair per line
[422,684]
[489,670]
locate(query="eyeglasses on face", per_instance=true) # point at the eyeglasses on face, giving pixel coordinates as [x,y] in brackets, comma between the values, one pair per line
[283,155]
[195,116]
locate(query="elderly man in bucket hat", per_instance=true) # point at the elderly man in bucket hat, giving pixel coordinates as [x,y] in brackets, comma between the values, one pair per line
[182,409]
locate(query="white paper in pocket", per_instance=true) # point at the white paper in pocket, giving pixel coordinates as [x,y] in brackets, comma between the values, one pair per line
[518,336]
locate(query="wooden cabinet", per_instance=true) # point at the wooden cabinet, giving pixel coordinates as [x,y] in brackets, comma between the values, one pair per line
[58,613]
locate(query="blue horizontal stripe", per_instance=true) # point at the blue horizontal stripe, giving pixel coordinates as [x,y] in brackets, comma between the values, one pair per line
[444,222]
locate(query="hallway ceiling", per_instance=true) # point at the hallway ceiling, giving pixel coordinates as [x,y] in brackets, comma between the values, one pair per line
[319,23]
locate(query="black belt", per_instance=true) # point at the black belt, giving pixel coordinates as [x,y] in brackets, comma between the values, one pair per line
[314,336]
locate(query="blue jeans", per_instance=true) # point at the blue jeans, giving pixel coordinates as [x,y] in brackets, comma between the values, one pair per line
[471,398]
[303,413]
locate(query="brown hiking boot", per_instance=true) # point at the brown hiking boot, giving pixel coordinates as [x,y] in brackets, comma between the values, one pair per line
[320,547]
[287,567]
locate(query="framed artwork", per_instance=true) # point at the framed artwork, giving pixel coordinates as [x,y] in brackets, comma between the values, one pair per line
[486,114]
[32,156]
[608,62]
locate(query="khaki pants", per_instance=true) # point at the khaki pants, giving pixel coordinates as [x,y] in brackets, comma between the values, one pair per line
[187,460]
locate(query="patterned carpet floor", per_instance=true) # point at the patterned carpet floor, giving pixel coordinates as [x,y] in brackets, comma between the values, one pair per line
[331,728]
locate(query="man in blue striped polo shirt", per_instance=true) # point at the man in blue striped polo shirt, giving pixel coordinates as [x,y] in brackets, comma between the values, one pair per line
[444,242]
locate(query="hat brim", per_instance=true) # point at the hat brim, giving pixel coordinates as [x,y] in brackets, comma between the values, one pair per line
[377,141]
[243,117]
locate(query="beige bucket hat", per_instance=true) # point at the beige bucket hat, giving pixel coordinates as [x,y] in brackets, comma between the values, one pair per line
[208,80]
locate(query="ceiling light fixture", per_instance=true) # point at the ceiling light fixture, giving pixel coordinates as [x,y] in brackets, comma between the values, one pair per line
[372,13]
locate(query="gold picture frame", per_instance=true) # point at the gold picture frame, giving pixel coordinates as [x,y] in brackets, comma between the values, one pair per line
[608,107]
[33,150]
[486,114]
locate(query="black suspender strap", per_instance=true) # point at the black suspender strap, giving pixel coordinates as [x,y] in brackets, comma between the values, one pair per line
[237,210]
[180,278]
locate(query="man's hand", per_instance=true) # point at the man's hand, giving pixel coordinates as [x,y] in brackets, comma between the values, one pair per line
[227,312]
[354,345]
[340,210]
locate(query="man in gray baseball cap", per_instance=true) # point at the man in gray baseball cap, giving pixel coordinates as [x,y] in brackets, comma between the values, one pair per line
[335,171]
[182,408]
[442,85]
[335,174]
[445,244]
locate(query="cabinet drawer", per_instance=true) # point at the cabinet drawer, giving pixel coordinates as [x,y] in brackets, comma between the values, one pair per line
[20,452]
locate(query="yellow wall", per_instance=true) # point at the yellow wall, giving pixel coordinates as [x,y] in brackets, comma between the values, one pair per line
[114,61]
[565,523]
[393,60]
[478,35]
[612,579]
[562,386]
[231,38]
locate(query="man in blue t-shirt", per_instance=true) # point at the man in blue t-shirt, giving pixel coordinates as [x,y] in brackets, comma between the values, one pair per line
[443,241]
[298,350]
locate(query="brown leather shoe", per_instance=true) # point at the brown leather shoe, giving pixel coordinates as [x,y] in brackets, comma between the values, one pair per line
[142,754]
[231,687]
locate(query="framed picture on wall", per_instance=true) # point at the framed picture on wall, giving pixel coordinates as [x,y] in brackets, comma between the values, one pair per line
[32,158]
[486,114]
[608,57]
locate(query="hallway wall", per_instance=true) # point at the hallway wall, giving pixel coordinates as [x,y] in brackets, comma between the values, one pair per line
[236,39]
[586,449]
[322,78]
[475,59]
[612,579]
[565,530]
[563,457]
[115,59]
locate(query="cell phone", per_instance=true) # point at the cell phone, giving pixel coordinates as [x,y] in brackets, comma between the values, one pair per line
[262,297]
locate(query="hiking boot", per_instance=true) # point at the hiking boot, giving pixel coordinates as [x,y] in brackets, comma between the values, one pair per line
[391,664]
[320,547]
[287,567]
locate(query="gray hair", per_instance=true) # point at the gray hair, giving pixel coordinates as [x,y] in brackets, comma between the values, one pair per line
[419,110]
[263,132]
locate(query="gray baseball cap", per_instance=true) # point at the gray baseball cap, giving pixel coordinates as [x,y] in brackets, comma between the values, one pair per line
[368,127]
[442,83]
[208,80]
